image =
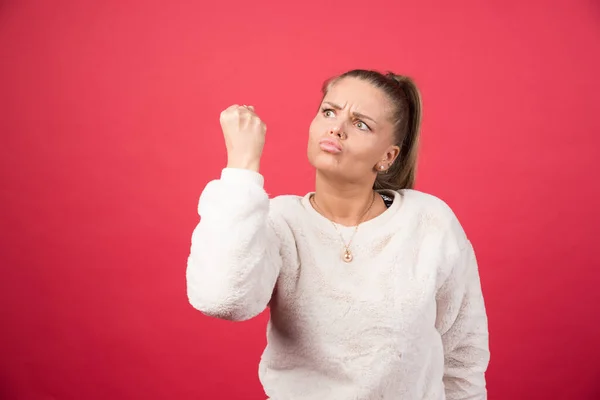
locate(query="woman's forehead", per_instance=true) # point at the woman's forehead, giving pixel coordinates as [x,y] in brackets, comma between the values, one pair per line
[358,93]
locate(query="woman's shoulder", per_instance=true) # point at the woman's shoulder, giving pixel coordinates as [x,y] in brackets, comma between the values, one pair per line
[431,212]
[286,202]
[426,201]
[286,207]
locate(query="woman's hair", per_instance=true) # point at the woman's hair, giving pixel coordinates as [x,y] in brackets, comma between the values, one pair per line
[406,98]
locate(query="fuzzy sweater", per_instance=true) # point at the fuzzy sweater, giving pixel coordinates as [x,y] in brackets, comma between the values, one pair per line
[405,320]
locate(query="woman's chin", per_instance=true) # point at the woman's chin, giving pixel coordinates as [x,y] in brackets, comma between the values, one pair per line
[324,162]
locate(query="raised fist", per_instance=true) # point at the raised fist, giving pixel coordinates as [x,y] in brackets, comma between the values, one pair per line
[244,134]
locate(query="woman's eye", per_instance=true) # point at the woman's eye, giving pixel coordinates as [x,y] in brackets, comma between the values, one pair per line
[328,113]
[362,126]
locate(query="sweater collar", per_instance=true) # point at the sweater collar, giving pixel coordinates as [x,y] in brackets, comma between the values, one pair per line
[367,228]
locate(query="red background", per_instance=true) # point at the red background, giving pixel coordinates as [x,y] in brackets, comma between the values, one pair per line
[110,131]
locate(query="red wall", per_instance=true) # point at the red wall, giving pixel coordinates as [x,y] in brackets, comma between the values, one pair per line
[109,131]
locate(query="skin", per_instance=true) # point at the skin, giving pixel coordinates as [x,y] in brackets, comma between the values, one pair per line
[357,116]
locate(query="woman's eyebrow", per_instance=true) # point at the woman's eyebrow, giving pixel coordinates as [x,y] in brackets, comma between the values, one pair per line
[356,114]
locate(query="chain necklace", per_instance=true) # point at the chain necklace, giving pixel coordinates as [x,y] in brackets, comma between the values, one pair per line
[347,256]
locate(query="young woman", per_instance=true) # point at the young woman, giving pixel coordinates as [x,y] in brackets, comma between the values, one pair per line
[373,287]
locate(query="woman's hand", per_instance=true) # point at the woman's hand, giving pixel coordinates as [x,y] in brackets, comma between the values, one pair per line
[244,134]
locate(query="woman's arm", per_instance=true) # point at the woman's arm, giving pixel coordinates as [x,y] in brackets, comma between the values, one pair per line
[462,322]
[234,259]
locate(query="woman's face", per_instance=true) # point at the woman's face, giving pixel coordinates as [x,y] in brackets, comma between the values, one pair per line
[352,133]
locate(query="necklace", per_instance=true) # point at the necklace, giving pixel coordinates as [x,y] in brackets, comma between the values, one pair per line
[347,256]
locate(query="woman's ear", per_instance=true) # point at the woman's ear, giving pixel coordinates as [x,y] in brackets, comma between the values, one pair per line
[387,159]
[391,154]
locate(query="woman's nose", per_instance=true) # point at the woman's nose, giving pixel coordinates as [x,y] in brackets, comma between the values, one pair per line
[336,131]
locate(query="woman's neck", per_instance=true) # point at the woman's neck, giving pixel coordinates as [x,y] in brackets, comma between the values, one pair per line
[346,203]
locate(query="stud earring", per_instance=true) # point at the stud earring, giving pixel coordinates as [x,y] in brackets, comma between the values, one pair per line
[382,167]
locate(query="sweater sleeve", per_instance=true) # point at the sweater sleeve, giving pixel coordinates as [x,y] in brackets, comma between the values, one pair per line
[462,322]
[234,259]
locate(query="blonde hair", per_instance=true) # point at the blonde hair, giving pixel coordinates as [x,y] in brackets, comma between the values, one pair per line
[406,98]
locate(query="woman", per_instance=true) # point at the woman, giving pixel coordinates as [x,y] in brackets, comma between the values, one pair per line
[372,286]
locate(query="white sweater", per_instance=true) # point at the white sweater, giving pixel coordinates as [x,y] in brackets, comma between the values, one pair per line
[405,320]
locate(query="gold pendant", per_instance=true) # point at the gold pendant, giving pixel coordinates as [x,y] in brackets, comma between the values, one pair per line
[347,256]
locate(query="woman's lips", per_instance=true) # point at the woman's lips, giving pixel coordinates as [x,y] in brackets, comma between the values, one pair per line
[330,146]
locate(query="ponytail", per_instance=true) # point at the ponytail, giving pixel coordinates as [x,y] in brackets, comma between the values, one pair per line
[402,173]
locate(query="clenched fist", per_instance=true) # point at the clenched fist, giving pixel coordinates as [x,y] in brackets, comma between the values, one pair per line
[244,134]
